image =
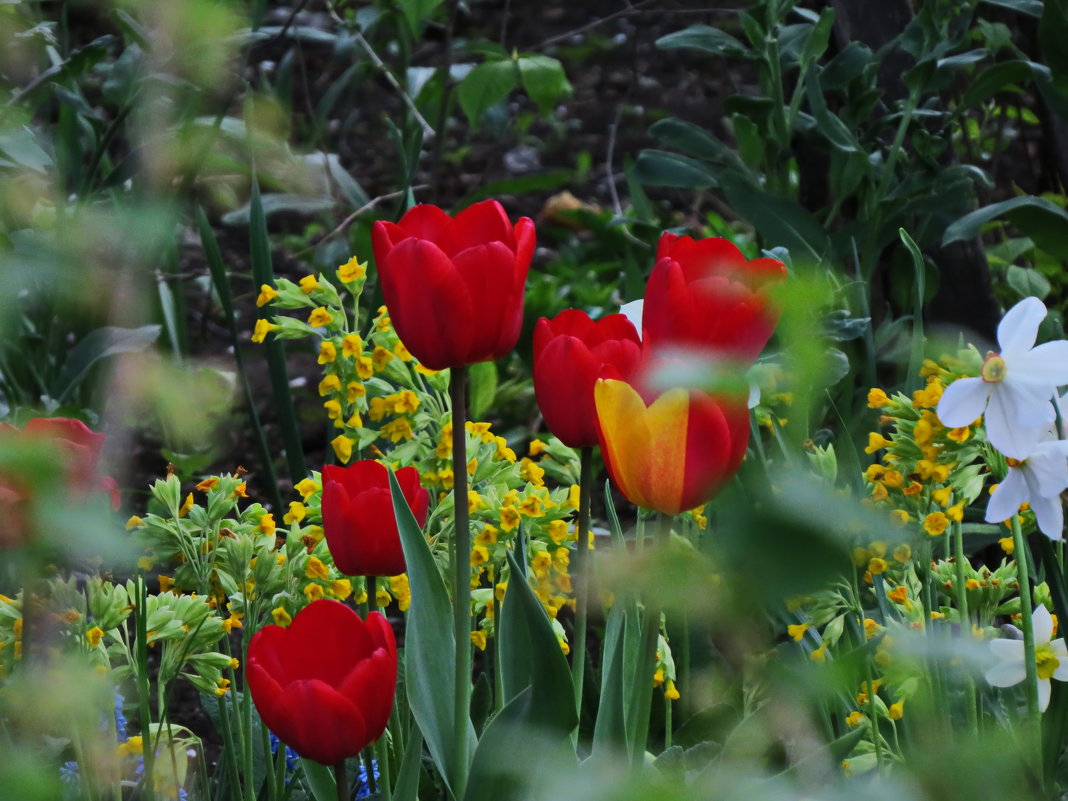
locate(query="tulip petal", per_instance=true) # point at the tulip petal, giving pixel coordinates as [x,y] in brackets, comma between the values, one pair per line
[708,450]
[430,306]
[478,224]
[1019,327]
[564,375]
[319,723]
[487,270]
[425,221]
[963,402]
[325,639]
[370,686]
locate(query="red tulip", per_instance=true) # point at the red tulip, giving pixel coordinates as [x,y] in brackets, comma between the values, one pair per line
[454,286]
[324,685]
[706,294]
[358,519]
[571,352]
[671,454]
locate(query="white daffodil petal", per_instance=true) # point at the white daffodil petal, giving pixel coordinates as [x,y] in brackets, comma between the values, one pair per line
[633,312]
[1006,674]
[1032,408]
[1044,687]
[1061,673]
[1007,650]
[1019,327]
[963,402]
[1048,468]
[1042,624]
[1007,498]
[1049,514]
[1003,429]
[1044,366]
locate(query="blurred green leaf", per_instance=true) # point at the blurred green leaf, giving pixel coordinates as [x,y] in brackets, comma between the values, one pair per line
[486,85]
[544,80]
[661,168]
[97,345]
[705,38]
[1036,217]
[1027,282]
[483,388]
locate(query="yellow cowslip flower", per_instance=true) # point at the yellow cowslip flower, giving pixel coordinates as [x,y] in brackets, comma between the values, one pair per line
[94,636]
[320,317]
[879,492]
[871,628]
[351,346]
[365,367]
[329,384]
[896,710]
[297,512]
[960,434]
[972,584]
[233,622]
[308,284]
[922,433]
[267,524]
[341,589]
[499,591]
[875,472]
[262,329]
[351,271]
[854,719]
[479,555]
[481,430]
[398,585]
[472,466]
[876,442]
[1007,545]
[425,370]
[860,557]
[333,409]
[207,484]
[327,352]
[478,639]
[893,479]
[902,553]
[531,471]
[134,522]
[557,531]
[877,398]
[223,686]
[133,746]
[186,506]
[914,488]
[281,617]
[564,646]
[899,518]
[877,548]
[503,451]
[955,512]
[360,597]
[314,592]
[354,390]
[235,663]
[307,487]
[377,408]
[573,496]
[380,357]
[797,630]
[561,559]
[877,566]
[401,352]
[536,448]
[146,563]
[540,564]
[396,430]
[930,367]
[899,595]
[241,490]
[446,478]
[316,569]
[267,294]
[342,446]
[382,597]
[355,421]
[533,506]
[405,402]
[820,654]
[670,692]
[935,523]
[474,502]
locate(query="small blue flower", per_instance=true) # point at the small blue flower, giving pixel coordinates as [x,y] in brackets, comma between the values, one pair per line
[69,773]
[363,787]
[120,718]
[291,755]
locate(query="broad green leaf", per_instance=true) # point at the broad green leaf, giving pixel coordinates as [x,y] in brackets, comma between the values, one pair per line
[416,11]
[1032,8]
[692,140]
[407,786]
[610,730]
[817,41]
[483,388]
[99,344]
[1027,282]
[320,780]
[544,80]
[706,38]
[429,650]
[661,168]
[836,131]
[1038,218]
[485,86]
[778,220]
[992,80]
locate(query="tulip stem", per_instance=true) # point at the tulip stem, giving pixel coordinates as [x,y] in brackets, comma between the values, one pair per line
[643,681]
[342,780]
[461,594]
[1034,718]
[582,569]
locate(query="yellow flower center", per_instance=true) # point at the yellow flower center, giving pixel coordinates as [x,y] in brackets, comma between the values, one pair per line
[993,369]
[1046,660]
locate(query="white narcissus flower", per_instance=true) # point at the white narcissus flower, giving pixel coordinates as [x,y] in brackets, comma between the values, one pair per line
[1051,658]
[1039,480]
[634,311]
[1014,387]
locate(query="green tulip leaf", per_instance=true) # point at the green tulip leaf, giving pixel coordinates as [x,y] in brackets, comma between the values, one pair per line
[407,787]
[429,644]
[1036,217]
[610,731]
[320,780]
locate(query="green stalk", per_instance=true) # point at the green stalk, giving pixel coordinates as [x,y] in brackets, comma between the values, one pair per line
[965,623]
[643,679]
[582,569]
[1030,665]
[148,790]
[342,780]
[229,746]
[461,593]
[382,750]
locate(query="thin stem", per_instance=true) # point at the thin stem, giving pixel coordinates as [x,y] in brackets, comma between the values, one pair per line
[582,569]
[643,680]
[1030,665]
[148,790]
[342,780]
[461,593]
[965,622]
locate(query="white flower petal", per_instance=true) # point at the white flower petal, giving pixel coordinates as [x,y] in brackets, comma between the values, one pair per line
[1003,428]
[1007,649]
[1044,366]
[1019,327]
[1061,673]
[963,402]
[1006,674]
[1044,687]
[633,312]
[1007,498]
[1032,407]
[1048,467]
[754,395]
[1049,514]
[1042,624]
